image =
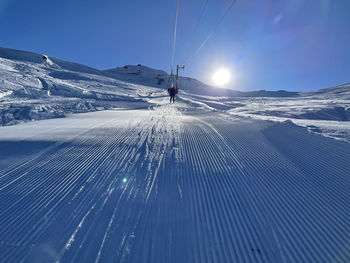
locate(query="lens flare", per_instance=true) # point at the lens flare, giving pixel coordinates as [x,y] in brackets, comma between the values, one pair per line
[221,77]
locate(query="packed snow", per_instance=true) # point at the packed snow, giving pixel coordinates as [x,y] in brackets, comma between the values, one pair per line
[114,173]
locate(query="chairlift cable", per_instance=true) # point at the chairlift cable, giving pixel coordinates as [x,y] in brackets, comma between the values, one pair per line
[199,20]
[174,38]
[211,33]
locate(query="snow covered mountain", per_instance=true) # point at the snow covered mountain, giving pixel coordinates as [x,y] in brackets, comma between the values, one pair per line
[140,74]
[36,86]
[158,78]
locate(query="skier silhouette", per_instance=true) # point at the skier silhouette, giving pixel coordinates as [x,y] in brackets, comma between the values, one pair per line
[172,92]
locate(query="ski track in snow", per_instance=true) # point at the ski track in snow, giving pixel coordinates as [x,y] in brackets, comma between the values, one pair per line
[173,184]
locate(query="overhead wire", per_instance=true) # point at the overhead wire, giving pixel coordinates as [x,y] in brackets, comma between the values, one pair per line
[197,24]
[174,38]
[211,33]
[199,19]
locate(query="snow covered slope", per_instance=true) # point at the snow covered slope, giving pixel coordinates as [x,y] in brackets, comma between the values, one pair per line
[34,86]
[172,183]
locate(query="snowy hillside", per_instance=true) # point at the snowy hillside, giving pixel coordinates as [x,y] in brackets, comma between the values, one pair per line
[325,111]
[35,86]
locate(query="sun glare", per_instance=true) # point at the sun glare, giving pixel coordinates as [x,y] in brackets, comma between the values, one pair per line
[221,77]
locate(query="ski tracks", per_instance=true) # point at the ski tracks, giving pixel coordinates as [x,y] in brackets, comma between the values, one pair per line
[179,186]
[74,183]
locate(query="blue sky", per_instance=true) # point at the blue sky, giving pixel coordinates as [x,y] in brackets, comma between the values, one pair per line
[267,44]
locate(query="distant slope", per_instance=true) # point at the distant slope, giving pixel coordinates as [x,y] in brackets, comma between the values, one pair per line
[140,74]
[44,60]
[342,91]
[147,76]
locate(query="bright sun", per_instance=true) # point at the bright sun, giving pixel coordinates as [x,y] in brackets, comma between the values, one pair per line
[221,77]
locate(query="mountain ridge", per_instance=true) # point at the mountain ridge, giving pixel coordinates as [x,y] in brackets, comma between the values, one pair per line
[138,74]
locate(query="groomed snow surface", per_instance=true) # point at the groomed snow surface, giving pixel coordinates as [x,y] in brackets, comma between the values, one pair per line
[172,184]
